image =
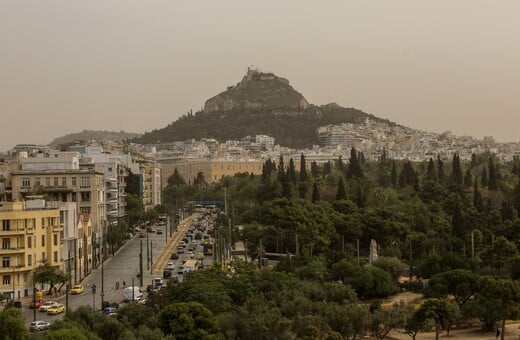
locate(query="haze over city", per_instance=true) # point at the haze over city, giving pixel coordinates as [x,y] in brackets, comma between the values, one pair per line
[137,66]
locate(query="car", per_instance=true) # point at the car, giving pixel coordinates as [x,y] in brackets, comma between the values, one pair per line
[142,234]
[174,256]
[157,282]
[191,255]
[150,230]
[77,289]
[150,288]
[36,304]
[200,256]
[56,309]
[46,305]
[180,269]
[170,265]
[159,232]
[180,250]
[39,325]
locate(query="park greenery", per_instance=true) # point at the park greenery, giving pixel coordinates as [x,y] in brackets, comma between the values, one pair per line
[448,230]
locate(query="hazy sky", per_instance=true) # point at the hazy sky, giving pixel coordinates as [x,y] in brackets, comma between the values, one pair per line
[71,65]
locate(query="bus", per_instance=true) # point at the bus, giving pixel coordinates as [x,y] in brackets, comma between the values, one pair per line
[207,247]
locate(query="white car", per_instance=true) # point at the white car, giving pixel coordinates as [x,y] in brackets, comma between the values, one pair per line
[191,255]
[157,282]
[170,266]
[46,305]
[39,326]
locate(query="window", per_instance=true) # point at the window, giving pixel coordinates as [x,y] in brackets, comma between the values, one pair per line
[6,243]
[6,280]
[29,260]
[110,169]
[6,262]
[55,256]
[85,210]
[29,242]
[85,181]
[73,197]
[6,225]
[43,222]
[55,239]
[47,181]
[37,181]
[43,257]
[55,181]
[43,240]
[74,183]
[85,196]
[26,182]
[64,181]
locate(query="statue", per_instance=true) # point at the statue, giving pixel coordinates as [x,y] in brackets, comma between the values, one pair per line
[373,251]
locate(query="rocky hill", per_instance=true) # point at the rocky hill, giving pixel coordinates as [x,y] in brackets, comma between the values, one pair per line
[88,135]
[258,90]
[261,103]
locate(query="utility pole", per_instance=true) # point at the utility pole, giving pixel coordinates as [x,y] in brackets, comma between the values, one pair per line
[141,264]
[34,299]
[147,252]
[133,289]
[102,294]
[151,257]
[66,301]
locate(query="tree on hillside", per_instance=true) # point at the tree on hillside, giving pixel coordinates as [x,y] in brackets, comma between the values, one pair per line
[291,172]
[342,193]
[492,183]
[315,193]
[431,175]
[354,166]
[303,169]
[440,169]
[176,179]
[393,175]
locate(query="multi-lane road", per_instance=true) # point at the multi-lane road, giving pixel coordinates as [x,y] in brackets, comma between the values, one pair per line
[123,267]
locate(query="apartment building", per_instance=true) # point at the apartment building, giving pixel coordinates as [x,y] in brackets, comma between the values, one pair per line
[31,236]
[85,188]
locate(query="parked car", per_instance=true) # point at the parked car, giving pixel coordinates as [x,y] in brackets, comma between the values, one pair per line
[157,282]
[150,288]
[159,232]
[36,326]
[191,255]
[142,234]
[56,309]
[174,256]
[36,304]
[77,289]
[170,265]
[46,305]
[180,269]
[180,250]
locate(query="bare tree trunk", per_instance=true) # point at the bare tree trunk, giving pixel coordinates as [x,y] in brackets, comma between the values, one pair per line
[503,329]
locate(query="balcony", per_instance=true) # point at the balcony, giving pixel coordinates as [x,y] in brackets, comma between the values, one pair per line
[12,231]
[12,250]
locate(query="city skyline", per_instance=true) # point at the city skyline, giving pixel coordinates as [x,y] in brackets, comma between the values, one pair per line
[92,65]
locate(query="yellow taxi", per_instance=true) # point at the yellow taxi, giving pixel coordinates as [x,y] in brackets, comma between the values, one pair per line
[77,289]
[56,309]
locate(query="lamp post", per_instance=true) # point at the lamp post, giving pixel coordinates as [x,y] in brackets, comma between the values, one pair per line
[13,281]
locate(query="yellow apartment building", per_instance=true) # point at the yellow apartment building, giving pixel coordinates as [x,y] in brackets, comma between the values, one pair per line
[30,238]
[84,187]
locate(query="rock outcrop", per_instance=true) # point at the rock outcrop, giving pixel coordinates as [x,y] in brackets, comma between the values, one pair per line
[258,90]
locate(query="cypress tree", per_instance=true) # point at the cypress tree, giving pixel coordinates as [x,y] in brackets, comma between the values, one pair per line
[440,169]
[340,165]
[342,193]
[327,169]
[383,156]
[430,174]
[493,184]
[314,169]
[484,178]
[354,168]
[516,196]
[456,173]
[291,172]
[474,162]
[478,202]
[409,173]
[315,193]
[402,179]
[281,169]
[393,175]
[468,178]
[303,169]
